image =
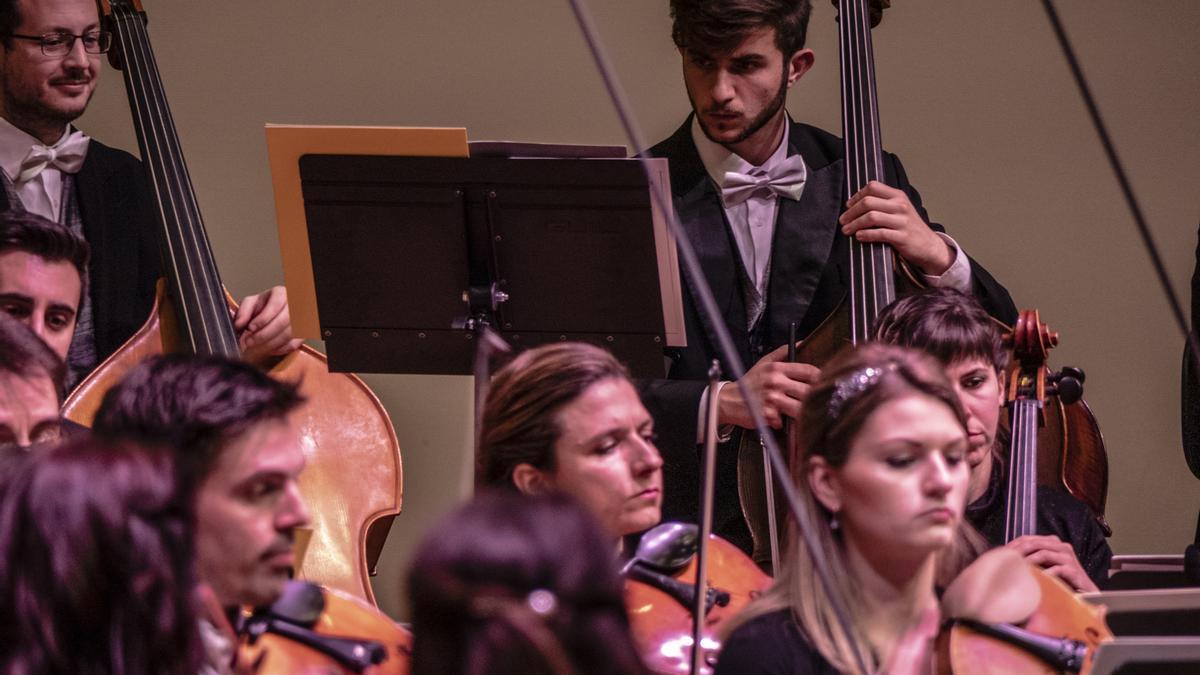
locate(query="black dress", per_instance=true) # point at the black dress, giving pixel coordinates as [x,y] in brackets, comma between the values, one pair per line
[771,644]
[1058,513]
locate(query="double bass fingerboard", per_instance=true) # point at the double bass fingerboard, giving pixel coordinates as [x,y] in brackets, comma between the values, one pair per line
[191,270]
[872,285]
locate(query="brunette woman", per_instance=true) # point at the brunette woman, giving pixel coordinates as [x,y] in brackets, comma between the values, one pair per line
[96,563]
[882,447]
[510,584]
[565,417]
[954,329]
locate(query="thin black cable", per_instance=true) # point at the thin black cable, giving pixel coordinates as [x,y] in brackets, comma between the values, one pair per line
[1118,168]
[710,314]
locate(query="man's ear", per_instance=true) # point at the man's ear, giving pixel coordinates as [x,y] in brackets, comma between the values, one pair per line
[530,480]
[823,482]
[799,64]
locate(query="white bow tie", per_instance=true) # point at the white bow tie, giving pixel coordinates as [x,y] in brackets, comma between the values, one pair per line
[785,179]
[67,157]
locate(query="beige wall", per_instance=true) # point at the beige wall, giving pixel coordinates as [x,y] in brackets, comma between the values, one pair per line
[974,96]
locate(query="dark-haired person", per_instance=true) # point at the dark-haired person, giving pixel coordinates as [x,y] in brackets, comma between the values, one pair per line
[96,568]
[881,463]
[227,424]
[43,267]
[31,377]
[954,329]
[565,418]
[762,198]
[50,53]
[511,584]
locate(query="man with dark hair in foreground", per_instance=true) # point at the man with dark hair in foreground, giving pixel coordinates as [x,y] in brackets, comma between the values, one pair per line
[229,424]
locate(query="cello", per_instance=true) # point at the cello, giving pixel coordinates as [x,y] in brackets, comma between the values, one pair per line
[353,478]
[1063,632]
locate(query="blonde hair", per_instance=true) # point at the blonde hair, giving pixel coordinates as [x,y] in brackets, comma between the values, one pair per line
[833,415]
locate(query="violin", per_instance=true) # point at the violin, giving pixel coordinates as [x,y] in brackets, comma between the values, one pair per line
[1063,632]
[353,477]
[319,630]
[660,593]
[310,629]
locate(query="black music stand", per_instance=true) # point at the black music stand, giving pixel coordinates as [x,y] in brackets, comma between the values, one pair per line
[411,256]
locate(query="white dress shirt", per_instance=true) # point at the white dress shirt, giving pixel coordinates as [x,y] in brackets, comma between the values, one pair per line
[43,193]
[753,225]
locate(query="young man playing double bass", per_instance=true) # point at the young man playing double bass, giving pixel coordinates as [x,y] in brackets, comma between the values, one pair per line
[762,199]
[50,53]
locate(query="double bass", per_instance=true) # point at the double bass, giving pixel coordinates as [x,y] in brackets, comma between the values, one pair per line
[1074,458]
[353,477]
[874,269]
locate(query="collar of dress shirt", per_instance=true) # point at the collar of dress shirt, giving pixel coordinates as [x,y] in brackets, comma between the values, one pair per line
[15,145]
[718,160]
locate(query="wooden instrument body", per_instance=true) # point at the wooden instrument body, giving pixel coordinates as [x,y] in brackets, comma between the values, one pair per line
[1060,614]
[662,627]
[353,479]
[344,616]
[1072,455]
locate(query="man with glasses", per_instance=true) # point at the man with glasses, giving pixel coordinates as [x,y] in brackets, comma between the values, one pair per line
[50,53]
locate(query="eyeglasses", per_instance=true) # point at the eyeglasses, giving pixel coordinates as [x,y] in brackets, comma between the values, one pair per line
[61,44]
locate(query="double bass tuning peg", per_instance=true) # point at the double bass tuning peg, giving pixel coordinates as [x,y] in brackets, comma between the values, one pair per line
[1068,384]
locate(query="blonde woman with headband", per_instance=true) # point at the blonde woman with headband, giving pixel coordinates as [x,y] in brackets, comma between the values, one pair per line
[881,463]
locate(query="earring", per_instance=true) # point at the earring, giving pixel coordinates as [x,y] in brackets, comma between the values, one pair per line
[834,525]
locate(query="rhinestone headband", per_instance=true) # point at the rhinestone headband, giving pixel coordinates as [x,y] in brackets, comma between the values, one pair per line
[854,385]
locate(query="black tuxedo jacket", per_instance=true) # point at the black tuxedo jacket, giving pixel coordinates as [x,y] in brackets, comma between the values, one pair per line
[119,225]
[808,279]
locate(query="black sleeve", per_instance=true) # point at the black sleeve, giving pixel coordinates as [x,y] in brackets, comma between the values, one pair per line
[1072,521]
[770,645]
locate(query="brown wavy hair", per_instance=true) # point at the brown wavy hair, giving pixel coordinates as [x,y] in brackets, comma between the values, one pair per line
[520,415]
[512,584]
[96,563]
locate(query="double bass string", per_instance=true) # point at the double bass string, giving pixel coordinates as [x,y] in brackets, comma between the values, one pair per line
[850,124]
[204,280]
[152,150]
[870,263]
[200,292]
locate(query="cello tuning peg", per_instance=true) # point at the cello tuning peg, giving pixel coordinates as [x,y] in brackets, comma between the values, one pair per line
[1069,385]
